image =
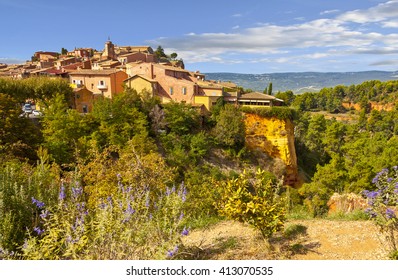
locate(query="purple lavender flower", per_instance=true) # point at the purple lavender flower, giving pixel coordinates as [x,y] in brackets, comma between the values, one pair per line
[389,180]
[384,171]
[62,192]
[395,168]
[38,203]
[44,214]
[371,213]
[38,230]
[185,232]
[390,214]
[181,216]
[109,199]
[183,192]
[373,194]
[130,210]
[76,192]
[171,253]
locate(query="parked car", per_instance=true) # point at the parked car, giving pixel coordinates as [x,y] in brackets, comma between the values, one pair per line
[37,113]
[27,108]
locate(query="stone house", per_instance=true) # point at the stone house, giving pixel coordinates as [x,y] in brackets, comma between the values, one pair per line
[106,83]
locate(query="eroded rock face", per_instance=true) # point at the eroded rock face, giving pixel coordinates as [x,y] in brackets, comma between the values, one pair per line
[346,203]
[274,137]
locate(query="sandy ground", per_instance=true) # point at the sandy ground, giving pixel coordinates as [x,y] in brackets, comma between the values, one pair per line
[323,240]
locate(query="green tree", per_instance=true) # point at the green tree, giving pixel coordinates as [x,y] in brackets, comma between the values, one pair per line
[18,135]
[287,96]
[269,89]
[230,128]
[159,53]
[173,56]
[251,198]
[65,131]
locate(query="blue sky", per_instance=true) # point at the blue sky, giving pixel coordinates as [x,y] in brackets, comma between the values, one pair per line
[250,36]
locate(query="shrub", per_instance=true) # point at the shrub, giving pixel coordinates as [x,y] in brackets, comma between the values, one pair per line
[19,183]
[133,223]
[254,201]
[383,207]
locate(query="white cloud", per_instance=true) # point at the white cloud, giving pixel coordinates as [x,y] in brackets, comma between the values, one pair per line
[379,13]
[328,38]
[8,60]
[390,62]
[329,12]
[390,24]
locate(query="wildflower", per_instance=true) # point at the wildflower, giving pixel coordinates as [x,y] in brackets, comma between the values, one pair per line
[109,199]
[38,203]
[390,213]
[384,171]
[171,253]
[62,192]
[185,232]
[76,192]
[183,192]
[38,230]
[102,205]
[373,194]
[389,180]
[147,201]
[181,216]
[24,246]
[395,168]
[371,213]
[44,214]
[130,210]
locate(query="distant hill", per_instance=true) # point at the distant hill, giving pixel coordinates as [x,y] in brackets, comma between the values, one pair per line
[301,81]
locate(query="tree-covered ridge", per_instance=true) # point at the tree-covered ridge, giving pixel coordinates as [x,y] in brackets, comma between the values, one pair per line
[344,157]
[332,99]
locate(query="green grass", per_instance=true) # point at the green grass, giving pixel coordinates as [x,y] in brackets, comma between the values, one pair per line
[204,222]
[356,215]
[299,212]
[294,230]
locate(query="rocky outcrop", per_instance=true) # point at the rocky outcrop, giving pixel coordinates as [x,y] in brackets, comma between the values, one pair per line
[373,106]
[275,137]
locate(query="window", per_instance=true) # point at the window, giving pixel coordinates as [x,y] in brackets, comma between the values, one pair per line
[184,90]
[171,90]
[101,83]
[85,109]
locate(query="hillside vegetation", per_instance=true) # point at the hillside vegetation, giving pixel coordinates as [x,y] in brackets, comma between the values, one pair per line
[137,172]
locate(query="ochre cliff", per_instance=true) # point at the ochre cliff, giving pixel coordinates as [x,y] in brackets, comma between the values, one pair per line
[275,137]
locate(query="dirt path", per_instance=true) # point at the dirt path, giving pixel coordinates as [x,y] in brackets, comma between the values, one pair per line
[341,240]
[323,240]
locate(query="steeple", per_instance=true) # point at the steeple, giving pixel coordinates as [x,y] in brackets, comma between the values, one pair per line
[109,51]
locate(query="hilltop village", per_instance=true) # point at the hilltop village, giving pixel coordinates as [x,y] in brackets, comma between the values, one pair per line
[106,73]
